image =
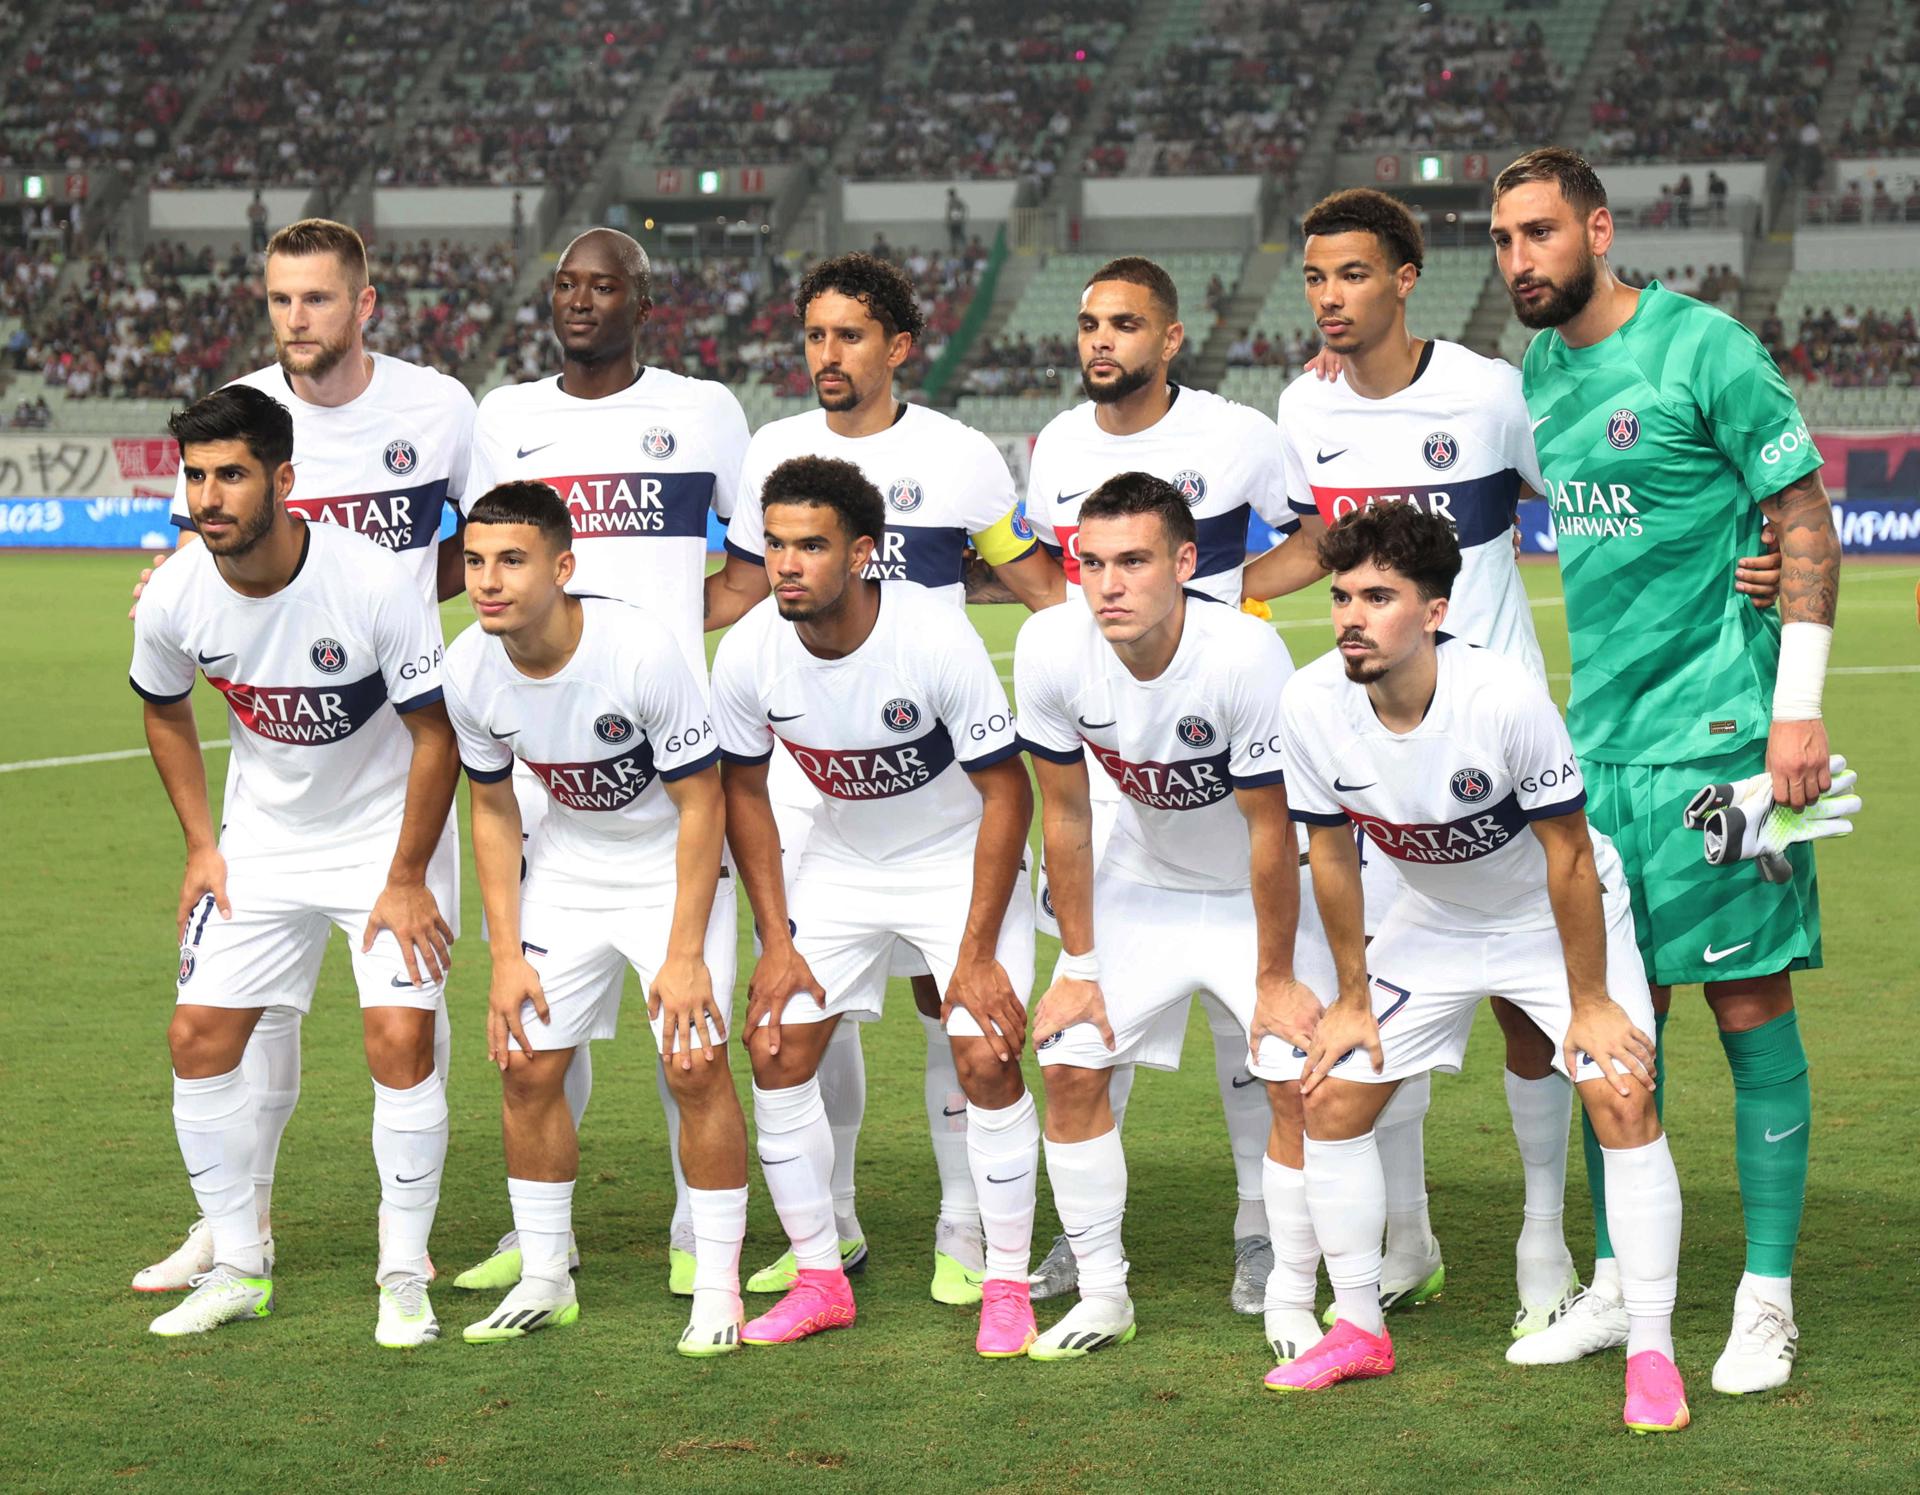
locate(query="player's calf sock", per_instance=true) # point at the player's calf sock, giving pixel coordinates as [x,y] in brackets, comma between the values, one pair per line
[682,1220]
[1244,1099]
[271,1063]
[947,1123]
[1090,1192]
[442,1041]
[410,1149]
[796,1155]
[1347,1198]
[1119,1091]
[1660,1066]
[1542,1112]
[1296,1250]
[1643,1200]
[843,1090]
[215,1123]
[1003,1151]
[1401,1139]
[1772,1115]
[577,1085]
[543,1219]
[719,1227]
[1597,1192]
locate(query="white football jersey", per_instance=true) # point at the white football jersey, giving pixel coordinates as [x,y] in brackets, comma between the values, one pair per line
[621,719]
[942,481]
[1222,456]
[1456,442]
[384,465]
[886,734]
[316,678]
[1451,800]
[639,471]
[1175,747]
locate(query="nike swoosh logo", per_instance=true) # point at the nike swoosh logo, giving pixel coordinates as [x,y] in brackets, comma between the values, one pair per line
[213,658]
[503,736]
[961,1112]
[1350,788]
[402,981]
[1074,1235]
[1773,1136]
[1320,456]
[211,1166]
[525,452]
[1015,1179]
[776,1162]
[1240,1084]
[415,1179]
[1067,498]
[1713,957]
[1094,726]
[790,717]
[1539,423]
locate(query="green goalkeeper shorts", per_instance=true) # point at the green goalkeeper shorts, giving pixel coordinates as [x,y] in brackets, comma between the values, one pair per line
[1698,923]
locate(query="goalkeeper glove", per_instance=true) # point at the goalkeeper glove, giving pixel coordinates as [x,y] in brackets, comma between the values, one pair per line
[1749,825]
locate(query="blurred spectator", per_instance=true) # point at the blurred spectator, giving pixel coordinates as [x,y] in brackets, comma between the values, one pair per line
[1457,82]
[1885,119]
[1857,349]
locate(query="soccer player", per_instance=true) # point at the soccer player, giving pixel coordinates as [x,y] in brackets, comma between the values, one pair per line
[1454,762]
[1177,698]
[343,770]
[641,455]
[1666,435]
[943,483]
[1225,460]
[382,450]
[594,696]
[887,700]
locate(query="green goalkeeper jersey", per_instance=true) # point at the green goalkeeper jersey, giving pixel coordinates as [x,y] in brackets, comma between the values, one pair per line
[1656,446]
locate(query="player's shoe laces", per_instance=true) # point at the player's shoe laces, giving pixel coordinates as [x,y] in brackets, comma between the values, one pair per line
[1059,1274]
[406,1316]
[680,1261]
[534,1303]
[1252,1266]
[502,1269]
[1348,1353]
[1405,1282]
[1006,1319]
[1760,1351]
[1091,1324]
[1587,1323]
[1291,1332]
[1656,1397]
[959,1263]
[1535,1318]
[220,1296]
[780,1276]
[711,1332]
[192,1258]
[817,1301]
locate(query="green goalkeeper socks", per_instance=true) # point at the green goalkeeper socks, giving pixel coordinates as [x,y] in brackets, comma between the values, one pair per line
[1772,1114]
[1590,1144]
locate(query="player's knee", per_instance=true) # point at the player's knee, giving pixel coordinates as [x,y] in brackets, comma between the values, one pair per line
[986,1080]
[1289,1110]
[1334,1112]
[1628,1120]
[201,1044]
[1074,1092]
[701,1085]
[1740,1006]
[532,1080]
[778,1071]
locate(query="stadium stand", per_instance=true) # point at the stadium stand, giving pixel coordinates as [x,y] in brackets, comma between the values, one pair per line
[1885,116]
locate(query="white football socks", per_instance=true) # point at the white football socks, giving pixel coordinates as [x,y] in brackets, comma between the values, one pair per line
[410,1150]
[796,1155]
[1119,1090]
[1003,1152]
[1244,1099]
[578,1083]
[682,1215]
[442,1041]
[1643,1217]
[1347,1198]
[543,1220]
[271,1063]
[843,1090]
[215,1122]
[947,1123]
[1542,1112]
[1090,1192]
[1296,1250]
[719,1218]
[1401,1133]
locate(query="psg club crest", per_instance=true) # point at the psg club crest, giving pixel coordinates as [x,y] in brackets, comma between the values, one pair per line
[329,656]
[900,715]
[401,458]
[1471,785]
[1442,451]
[613,729]
[1192,486]
[1623,429]
[186,966]
[1195,731]
[658,443]
[1022,526]
[904,496]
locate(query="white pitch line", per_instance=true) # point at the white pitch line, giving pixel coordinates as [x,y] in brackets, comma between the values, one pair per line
[80,758]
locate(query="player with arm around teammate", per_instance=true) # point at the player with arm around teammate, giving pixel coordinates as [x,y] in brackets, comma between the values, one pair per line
[1456,764]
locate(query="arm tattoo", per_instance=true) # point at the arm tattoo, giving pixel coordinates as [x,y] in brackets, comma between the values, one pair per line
[1809,550]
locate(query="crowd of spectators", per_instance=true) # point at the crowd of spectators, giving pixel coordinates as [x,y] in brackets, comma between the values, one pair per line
[993,91]
[1240,94]
[1256,349]
[1852,204]
[29,263]
[1856,349]
[1457,82]
[1886,112]
[1719,285]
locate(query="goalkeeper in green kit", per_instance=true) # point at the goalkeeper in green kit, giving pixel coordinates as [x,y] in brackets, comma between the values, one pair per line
[1666,438]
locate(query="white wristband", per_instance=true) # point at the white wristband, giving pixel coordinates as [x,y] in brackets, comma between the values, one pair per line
[1803,671]
[1082,967]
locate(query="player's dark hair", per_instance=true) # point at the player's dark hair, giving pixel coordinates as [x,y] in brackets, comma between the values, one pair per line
[1362,210]
[324,236]
[833,484]
[879,285]
[1566,169]
[1138,270]
[1143,493]
[239,412]
[526,502]
[1394,537]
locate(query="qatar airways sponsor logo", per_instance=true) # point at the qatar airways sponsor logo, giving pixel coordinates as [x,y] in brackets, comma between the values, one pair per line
[617,505]
[609,784]
[405,519]
[1601,511]
[1479,509]
[304,715]
[1190,784]
[1464,840]
[875,773]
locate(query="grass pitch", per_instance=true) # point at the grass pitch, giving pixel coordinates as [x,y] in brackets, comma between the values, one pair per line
[93,1188]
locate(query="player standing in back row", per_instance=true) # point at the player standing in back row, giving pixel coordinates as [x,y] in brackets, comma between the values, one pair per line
[1666,435]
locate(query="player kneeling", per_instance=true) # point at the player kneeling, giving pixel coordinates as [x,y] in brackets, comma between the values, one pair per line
[1455,763]
[887,700]
[596,699]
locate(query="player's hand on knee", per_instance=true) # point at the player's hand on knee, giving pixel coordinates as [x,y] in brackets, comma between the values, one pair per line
[206,876]
[1799,760]
[1283,1008]
[1758,576]
[159,559]
[982,988]
[1069,1001]
[781,975]
[410,913]
[515,983]
[682,996]
[1604,1033]
[1342,1028]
